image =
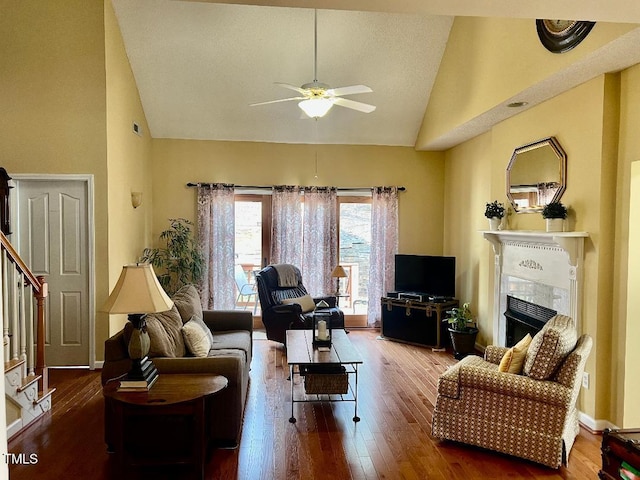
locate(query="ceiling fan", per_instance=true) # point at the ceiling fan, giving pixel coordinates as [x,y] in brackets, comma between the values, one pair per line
[317,98]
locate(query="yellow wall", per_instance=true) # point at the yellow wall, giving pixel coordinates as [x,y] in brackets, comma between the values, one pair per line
[590,192]
[626,355]
[246,163]
[468,182]
[52,92]
[69,100]
[128,161]
[489,60]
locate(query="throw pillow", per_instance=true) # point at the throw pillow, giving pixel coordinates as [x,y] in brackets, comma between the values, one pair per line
[549,347]
[306,303]
[513,359]
[187,301]
[204,326]
[159,343]
[196,337]
[165,334]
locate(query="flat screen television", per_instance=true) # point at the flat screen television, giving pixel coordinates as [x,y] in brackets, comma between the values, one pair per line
[425,274]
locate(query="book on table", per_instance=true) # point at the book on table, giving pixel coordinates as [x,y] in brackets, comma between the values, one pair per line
[139,385]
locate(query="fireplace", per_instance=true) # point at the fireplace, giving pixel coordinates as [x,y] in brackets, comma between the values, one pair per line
[524,317]
[537,275]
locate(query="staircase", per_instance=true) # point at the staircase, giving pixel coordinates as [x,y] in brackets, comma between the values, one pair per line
[26,383]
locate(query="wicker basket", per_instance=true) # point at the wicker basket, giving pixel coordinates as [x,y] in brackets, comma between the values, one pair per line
[326,383]
[325,379]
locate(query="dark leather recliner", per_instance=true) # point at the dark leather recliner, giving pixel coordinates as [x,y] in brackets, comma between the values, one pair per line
[279,317]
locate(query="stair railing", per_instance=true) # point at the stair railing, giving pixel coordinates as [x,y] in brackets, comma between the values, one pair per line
[21,290]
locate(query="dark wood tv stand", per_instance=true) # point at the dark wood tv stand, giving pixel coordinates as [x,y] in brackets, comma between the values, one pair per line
[418,323]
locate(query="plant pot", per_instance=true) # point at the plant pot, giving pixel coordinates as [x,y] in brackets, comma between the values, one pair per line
[494,223]
[555,224]
[463,342]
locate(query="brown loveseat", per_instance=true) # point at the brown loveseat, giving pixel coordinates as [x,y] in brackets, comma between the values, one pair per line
[532,415]
[230,356]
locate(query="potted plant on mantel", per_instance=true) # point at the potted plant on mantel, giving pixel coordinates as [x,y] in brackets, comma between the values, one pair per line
[494,211]
[554,213]
[462,330]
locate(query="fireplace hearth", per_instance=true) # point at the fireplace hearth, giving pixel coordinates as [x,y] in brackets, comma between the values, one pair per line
[524,317]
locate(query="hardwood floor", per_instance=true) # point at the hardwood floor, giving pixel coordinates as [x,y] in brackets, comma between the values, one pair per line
[392,441]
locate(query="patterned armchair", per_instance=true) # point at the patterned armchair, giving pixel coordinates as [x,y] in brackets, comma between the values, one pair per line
[533,415]
[287,305]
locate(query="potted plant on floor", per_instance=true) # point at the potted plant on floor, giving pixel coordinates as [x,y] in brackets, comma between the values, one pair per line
[462,330]
[554,213]
[494,211]
[181,262]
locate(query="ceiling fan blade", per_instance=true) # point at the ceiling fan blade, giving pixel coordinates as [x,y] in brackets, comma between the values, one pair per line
[361,107]
[292,87]
[353,89]
[277,101]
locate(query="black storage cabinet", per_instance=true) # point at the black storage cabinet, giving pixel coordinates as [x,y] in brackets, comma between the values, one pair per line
[419,323]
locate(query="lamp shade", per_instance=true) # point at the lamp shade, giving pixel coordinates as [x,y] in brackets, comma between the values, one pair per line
[316,107]
[137,291]
[339,272]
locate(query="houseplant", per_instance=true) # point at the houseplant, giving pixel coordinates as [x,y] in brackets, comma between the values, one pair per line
[181,261]
[554,213]
[494,211]
[462,330]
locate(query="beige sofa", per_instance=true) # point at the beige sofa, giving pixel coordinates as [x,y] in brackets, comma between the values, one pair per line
[230,356]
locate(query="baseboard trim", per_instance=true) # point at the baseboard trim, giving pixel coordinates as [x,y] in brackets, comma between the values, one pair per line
[98,364]
[593,425]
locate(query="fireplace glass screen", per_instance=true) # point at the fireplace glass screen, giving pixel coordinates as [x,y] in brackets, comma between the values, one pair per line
[524,317]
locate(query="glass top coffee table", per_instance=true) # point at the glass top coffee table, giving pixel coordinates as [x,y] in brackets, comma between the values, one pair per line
[327,374]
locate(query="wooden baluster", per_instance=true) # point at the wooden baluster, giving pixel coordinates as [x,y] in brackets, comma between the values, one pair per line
[22,319]
[40,338]
[3,304]
[13,312]
[31,358]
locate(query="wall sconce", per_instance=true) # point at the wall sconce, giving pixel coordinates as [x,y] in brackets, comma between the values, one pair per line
[136,199]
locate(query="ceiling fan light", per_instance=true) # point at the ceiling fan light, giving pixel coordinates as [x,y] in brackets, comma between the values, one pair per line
[316,107]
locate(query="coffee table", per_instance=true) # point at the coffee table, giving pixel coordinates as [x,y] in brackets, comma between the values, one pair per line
[301,354]
[166,425]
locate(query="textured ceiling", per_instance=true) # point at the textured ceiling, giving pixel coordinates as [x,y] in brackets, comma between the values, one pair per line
[198,65]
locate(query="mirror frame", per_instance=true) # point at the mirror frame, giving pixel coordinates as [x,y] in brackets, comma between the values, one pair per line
[562,159]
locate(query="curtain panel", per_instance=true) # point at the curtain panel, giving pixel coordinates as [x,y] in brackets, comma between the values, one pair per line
[319,239]
[384,246]
[216,237]
[286,225]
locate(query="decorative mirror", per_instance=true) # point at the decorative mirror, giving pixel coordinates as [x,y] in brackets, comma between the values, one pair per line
[536,175]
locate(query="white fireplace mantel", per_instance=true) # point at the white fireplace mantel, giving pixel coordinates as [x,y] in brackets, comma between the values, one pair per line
[553,259]
[570,242]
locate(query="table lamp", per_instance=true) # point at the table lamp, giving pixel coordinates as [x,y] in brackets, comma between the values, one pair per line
[137,293]
[338,273]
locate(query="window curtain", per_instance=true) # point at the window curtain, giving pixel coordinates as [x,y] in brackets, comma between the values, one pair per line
[286,225]
[384,246]
[319,239]
[216,237]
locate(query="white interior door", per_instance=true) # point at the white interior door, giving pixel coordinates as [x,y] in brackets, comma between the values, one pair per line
[53,241]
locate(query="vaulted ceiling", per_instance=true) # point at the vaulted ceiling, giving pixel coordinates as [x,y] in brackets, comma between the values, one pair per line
[198,65]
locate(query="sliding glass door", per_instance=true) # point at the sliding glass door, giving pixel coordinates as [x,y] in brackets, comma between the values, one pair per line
[354,249]
[253,224]
[252,247]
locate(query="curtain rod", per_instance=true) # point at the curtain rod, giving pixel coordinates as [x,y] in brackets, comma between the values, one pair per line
[267,187]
